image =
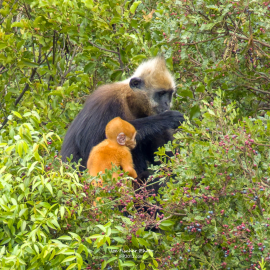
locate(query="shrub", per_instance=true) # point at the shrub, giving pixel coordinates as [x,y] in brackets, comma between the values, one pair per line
[47,217]
[213,213]
[219,184]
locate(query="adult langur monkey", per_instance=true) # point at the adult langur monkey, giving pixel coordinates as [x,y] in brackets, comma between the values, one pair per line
[143,100]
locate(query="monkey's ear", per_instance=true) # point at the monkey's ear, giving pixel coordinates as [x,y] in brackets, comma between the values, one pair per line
[136,83]
[121,138]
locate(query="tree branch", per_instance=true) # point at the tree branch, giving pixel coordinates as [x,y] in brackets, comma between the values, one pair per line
[254,40]
[203,41]
[257,90]
[102,48]
[34,70]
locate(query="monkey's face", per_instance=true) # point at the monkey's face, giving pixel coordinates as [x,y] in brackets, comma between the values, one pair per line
[159,99]
[131,142]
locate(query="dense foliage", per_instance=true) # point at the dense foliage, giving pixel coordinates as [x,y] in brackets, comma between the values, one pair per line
[214,211]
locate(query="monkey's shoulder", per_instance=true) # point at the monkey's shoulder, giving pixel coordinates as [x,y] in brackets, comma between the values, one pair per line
[114,90]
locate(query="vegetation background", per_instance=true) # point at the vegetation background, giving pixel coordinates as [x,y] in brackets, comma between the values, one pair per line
[214,213]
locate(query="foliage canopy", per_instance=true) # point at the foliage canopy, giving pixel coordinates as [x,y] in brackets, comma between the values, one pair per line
[214,210]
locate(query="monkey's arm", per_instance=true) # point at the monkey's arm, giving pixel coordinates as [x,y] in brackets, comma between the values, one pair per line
[127,165]
[153,125]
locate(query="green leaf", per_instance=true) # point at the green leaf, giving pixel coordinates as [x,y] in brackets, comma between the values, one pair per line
[142,266]
[113,247]
[72,266]
[44,204]
[150,252]
[169,63]
[32,167]
[211,112]
[17,24]
[200,88]
[134,6]
[102,227]
[49,187]
[88,3]
[134,241]
[95,236]
[75,236]
[119,239]
[52,255]
[138,58]
[155,237]
[103,265]
[155,263]
[64,237]
[79,259]
[115,20]
[143,242]
[111,259]
[17,114]
[2,45]
[145,256]
[167,223]
[186,93]
[128,263]
[26,63]
[116,75]
[22,211]
[89,67]
[4,241]
[68,259]
[62,211]
[195,112]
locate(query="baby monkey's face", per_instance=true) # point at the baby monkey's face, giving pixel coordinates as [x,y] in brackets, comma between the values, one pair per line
[131,142]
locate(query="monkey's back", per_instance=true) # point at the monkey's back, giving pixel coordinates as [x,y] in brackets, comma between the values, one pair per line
[104,154]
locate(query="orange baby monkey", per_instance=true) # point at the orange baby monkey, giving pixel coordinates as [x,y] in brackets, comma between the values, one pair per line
[115,149]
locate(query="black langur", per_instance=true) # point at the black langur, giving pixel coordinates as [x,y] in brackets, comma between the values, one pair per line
[143,100]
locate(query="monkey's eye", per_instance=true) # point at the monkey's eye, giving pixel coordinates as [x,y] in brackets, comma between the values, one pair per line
[161,93]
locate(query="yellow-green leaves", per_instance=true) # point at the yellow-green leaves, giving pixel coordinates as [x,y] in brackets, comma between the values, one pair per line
[134,6]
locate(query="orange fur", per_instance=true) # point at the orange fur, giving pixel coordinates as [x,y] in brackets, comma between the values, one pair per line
[109,151]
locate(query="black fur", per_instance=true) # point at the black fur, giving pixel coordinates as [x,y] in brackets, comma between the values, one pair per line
[88,130]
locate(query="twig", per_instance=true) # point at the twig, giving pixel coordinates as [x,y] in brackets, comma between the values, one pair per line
[4,123]
[9,13]
[120,60]
[69,65]
[203,15]
[34,70]
[194,61]
[254,40]
[257,90]
[3,70]
[199,52]
[203,41]
[103,49]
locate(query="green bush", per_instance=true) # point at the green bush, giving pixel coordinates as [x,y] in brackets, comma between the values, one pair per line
[213,213]
[53,54]
[219,183]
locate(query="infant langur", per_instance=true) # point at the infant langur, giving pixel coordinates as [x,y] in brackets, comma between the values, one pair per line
[114,150]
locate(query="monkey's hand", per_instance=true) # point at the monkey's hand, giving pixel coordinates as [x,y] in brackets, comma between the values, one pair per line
[152,126]
[174,118]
